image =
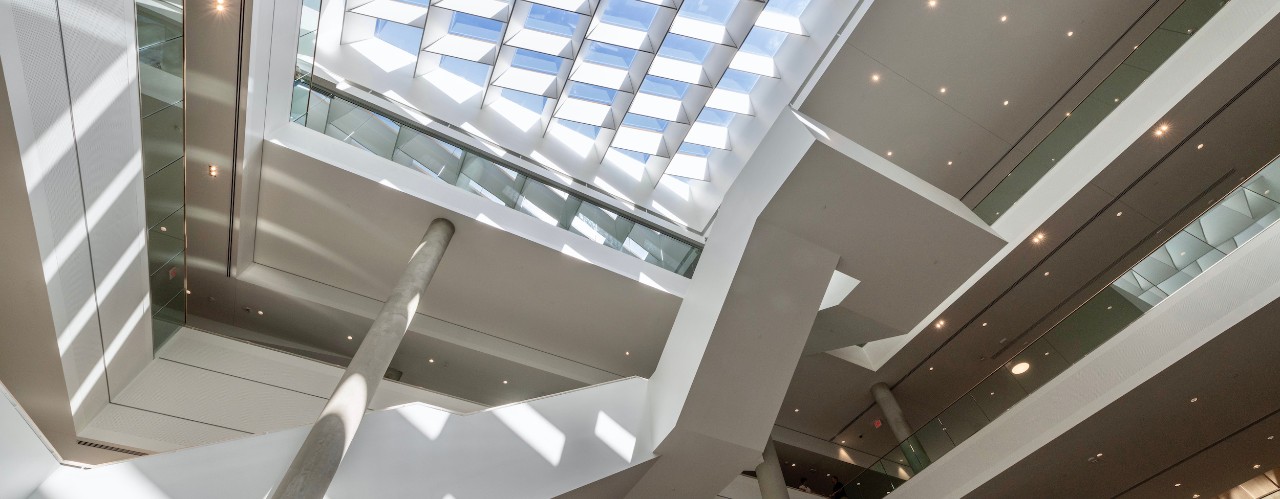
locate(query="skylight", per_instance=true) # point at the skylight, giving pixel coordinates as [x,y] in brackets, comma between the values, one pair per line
[639,81]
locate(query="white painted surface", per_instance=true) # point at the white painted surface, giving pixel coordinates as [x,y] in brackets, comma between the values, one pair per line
[70,69]
[1236,287]
[540,448]
[203,388]
[24,457]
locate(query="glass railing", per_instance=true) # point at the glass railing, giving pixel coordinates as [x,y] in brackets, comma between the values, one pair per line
[1234,220]
[418,150]
[415,148]
[160,82]
[1184,23]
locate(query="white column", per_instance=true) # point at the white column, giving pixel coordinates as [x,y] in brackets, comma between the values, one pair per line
[317,461]
[769,475]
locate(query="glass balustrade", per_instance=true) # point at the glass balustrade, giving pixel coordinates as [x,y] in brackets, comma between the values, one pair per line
[414,148]
[1230,223]
[1179,27]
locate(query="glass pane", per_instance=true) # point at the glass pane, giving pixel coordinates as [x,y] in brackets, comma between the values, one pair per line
[548,204]
[491,181]
[601,225]
[962,419]
[164,192]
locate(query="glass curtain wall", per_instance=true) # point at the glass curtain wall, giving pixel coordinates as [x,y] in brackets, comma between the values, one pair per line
[160,77]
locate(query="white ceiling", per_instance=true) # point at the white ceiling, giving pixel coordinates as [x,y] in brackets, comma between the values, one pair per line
[916,50]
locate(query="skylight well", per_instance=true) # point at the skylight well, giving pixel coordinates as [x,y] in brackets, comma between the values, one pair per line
[657,83]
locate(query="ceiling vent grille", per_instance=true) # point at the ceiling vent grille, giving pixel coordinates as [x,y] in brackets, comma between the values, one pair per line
[97,445]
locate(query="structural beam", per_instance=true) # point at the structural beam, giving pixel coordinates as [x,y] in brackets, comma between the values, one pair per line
[317,462]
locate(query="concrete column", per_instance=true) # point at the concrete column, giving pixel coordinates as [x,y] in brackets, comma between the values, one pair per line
[769,475]
[317,461]
[902,431]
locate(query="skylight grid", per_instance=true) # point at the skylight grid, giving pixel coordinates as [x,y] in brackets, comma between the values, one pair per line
[665,78]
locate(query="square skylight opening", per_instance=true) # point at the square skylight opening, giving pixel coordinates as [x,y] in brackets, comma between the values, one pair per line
[396,11]
[631,14]
[462,35]
[711,129]
[492,9]
[552,20]
[690,161]
[784,15]
[648,135]
[725,22]
[645,123]
[690,60]
[757,52]
[584,7]
[612,66]
[471,26]
[669,100]
[531,72]
[592,105]
[631,23]
[403,37]
[546,29]
[733,93]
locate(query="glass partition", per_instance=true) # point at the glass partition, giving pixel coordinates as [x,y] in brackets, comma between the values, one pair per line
[1145,59]
[1230,223]
[160,84]
[503,184]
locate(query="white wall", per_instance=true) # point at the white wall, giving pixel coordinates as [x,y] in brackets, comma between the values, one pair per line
[71,73]
[539,448]
[1233,289]
[203,388]
[24,457]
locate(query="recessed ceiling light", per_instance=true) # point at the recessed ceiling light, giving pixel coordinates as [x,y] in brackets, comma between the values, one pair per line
[1194,399]
[933,3]
[1046,274]
[348,337]
[875,76]
[1006,103]
[1177,485]
[1199,146]
[1068,114]
[984,324]
[943,90]
[1004,18]
[1108,307]
[1117,99]
[1194,496]
[164,229]
[1099,454]
[213,171]
[940,324]
[890,153]
[993,393]
[931,368]
[431,361]
[949,163]
[793,465]
[261,312]
[1020,368]
[797,410]
[1071,33]
[842,441]
[1046,353]
[1256,466]
[1272,437]
[1118,213]
[504,381]
[626,353]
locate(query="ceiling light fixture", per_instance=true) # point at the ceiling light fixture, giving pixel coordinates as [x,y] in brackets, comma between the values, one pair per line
[1272,437]
[1256,466]
[949,163]
[1020,368]
[504,381]
[1099,454]
[943,90]
[890,153]
[1194,399]
[933,3]
[1118,213]
[1004,18]
[940,324]
[348,337]
[875,76]
[260,312]
[431,361]
[1199,146]
[931,368]
[213,171]
[1006,103]
[626,353]
[797,410]
[984,324]
[1177,485]
[1046,274]
[1071,33]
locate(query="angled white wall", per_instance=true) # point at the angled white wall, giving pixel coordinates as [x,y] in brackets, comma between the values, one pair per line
[539,448]
[24,457]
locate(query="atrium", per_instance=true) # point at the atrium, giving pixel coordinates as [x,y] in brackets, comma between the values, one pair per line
[639,249]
